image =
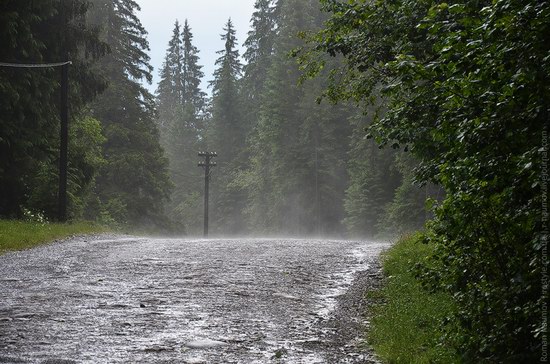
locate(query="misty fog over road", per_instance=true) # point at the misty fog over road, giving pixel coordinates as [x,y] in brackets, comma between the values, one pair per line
[193,301]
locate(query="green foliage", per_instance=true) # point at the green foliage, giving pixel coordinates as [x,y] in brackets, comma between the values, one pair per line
[409,209]
[180,76]
[407,320]
[226,133]
[382,199]
[259,56]
[41,32]
[85,158]
[133,183]
[466,90]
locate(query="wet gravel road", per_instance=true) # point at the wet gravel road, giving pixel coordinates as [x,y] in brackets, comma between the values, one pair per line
[140,300]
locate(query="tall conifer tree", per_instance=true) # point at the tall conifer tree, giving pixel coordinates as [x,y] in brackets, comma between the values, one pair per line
[193,96]
[259,54]
[297,175]
[226,135]
[170,86]
[181,105]
[373,180]
[273,163]
[133,184]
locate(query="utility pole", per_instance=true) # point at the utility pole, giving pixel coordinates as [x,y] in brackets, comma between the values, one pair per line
[206,164]
[317,194]
[64,129]
[64,138]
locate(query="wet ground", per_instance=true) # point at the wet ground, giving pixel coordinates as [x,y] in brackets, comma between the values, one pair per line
[139,300]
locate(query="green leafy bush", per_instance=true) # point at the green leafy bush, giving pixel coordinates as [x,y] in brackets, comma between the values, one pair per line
[466,85]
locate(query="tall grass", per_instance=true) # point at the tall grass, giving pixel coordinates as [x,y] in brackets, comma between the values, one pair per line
[18,235]
[407,320]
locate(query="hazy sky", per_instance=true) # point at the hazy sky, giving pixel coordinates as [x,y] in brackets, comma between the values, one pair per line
[206,19]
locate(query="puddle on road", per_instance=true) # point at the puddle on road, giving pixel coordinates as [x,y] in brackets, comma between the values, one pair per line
[200,301]
[339,282]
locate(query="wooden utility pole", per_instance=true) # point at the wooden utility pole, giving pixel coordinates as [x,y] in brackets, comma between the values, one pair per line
[64,129]
[64,139]
[64,118]
[206,164]
[317,195]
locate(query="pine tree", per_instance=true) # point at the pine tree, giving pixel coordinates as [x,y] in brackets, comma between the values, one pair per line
[170,86]
[181,106]
[273,163]
[374,179]
[225,90]
[134,183]
[299,148]
[226,136]
[259,53]
[408,210]
[192,75]
[325,134]
[181,74]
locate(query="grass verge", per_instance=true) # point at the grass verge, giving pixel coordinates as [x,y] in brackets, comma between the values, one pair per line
[18,235]
[406,322]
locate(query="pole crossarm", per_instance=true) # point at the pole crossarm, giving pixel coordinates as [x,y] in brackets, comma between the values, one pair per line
[34,65]
[203,164]
[208,154]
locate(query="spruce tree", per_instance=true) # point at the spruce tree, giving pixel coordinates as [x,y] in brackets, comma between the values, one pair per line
[273,164]
[193,96]
[259,54]
[407,212]
[297,176]
[170,86]
[181,107]
[226,135]
[134,183]
[373,180]
[325,134]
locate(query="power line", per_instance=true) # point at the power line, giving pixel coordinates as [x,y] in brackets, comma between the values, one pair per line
[34,65]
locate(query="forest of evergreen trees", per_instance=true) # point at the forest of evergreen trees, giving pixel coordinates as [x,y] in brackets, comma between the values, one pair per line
[286,163]
[118,174]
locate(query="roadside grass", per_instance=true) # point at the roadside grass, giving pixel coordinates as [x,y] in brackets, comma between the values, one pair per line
[406,324]
[18,235]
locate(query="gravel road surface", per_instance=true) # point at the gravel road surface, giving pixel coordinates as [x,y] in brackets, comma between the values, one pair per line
[142,300]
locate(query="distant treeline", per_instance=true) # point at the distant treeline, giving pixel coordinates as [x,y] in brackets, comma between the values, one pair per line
[286,163]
